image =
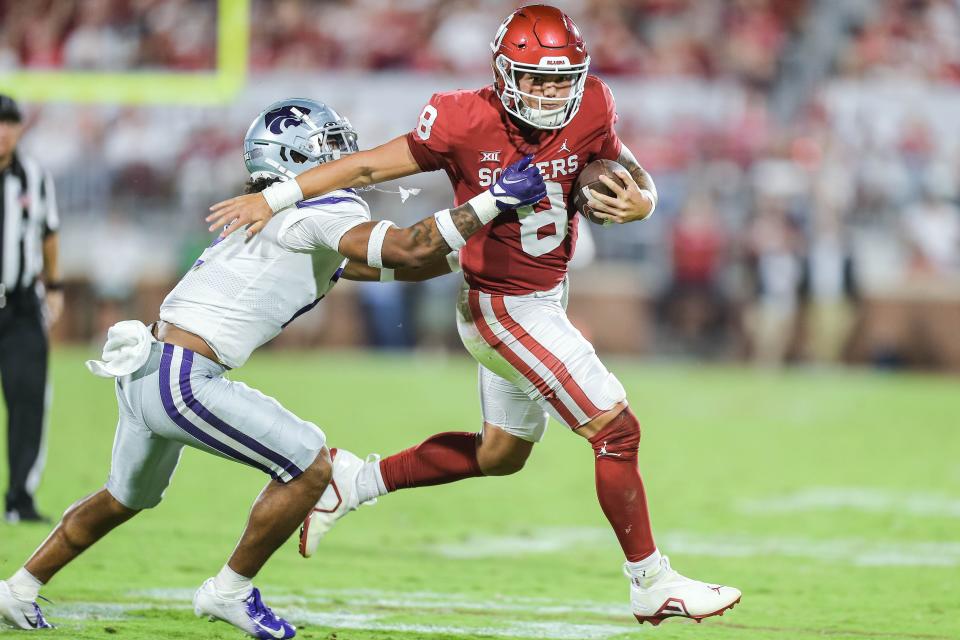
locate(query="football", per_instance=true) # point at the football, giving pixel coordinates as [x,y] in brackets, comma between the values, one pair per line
[590,178]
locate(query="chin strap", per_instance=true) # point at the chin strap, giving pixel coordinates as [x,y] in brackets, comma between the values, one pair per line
[546,117]
[405,192]
[290,175]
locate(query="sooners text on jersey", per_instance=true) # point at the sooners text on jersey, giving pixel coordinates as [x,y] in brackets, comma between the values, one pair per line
[470,136]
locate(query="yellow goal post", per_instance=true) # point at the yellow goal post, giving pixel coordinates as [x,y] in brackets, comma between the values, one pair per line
[149,87]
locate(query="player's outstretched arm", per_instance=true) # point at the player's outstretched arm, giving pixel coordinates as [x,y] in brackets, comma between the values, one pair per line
[384,246]
[634,201]
[386,162]
[415,246]
[356,270]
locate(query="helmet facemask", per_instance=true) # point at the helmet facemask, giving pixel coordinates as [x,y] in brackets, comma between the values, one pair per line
[540,111]
[332,141]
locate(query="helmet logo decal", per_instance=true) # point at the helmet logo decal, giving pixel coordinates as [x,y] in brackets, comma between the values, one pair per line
[281,118]
[501,32]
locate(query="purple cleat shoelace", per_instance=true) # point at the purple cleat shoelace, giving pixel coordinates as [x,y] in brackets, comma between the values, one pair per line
[267,624]
[40,622]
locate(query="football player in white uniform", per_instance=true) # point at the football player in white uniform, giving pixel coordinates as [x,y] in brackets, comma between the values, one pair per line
[240,294]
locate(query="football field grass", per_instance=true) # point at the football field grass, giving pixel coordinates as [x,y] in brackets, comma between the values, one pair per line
[832,499]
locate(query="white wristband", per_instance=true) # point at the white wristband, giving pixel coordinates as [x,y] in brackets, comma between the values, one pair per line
[281,195]
[453,259]
[485,206]
[375,243]
[386,275]
[449,230]
[653,197]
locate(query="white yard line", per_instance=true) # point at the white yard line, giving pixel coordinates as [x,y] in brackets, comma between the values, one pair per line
[348,609]
[94,610]
[853,551]
[866,500]
[509,628]
[544,540]
[360,599]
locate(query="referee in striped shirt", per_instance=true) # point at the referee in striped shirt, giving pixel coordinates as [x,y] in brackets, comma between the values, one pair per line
[31,297]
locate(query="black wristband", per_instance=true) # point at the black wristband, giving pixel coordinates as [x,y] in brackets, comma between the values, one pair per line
[55,285]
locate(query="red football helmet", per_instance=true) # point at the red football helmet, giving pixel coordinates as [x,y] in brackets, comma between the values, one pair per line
[541,40]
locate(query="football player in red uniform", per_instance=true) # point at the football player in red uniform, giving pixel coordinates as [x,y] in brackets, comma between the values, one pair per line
[511,312]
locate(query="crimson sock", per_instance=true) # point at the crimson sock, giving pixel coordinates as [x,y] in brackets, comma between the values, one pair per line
[445,457]
[619,486]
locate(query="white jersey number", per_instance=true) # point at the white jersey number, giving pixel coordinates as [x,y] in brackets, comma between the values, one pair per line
[536,237]
[427,117]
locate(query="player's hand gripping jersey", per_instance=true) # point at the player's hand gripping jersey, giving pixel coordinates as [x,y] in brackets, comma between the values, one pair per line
[468,135]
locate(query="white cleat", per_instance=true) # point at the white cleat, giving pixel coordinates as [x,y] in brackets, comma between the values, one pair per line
[668,594]
[20,614]
[250,615]
[339,499]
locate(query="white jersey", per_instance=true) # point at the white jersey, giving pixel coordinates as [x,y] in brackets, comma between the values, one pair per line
[241,294]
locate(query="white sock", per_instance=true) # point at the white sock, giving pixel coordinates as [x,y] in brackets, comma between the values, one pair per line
[646,568]
[24,586]
[232,585]
[369,482]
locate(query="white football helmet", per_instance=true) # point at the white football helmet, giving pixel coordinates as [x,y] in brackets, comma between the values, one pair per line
[292,135]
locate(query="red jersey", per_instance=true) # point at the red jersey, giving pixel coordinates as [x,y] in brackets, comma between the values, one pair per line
[469,135]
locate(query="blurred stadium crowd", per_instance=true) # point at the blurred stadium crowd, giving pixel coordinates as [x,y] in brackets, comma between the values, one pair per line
[807,152]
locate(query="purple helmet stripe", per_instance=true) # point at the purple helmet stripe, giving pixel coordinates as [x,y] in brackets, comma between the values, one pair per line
[166,397]
[207,416]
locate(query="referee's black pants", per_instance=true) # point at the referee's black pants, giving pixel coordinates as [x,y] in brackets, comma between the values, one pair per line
[23,372]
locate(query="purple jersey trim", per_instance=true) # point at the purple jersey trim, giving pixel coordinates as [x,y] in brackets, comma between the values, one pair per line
[319,202]
[301,311]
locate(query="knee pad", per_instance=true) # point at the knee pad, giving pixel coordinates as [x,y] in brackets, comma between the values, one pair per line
[620,439]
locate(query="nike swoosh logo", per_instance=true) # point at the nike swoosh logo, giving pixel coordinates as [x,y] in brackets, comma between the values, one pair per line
[506,180]
[33,624]
[276,633]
